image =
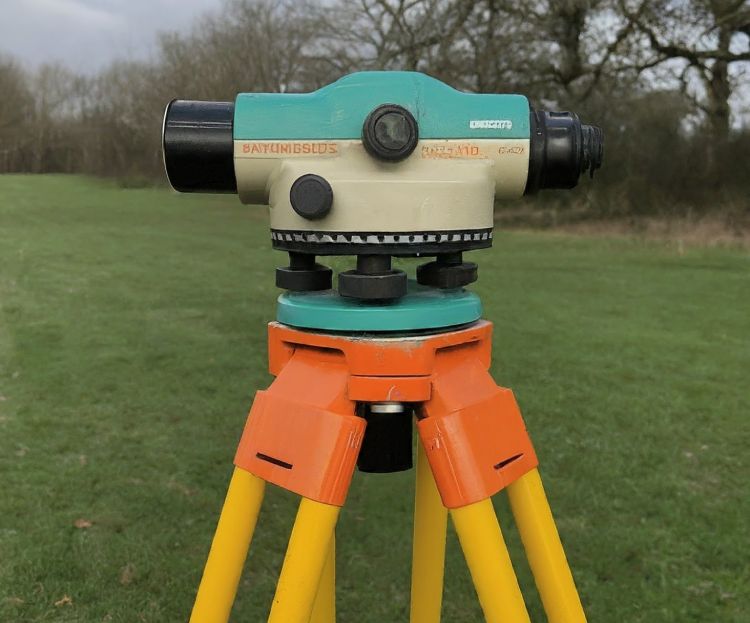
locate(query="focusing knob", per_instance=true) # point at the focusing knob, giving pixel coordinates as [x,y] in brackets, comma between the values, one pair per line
[311,196]
[390,133]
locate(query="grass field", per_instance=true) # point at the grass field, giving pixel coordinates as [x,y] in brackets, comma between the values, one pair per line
[132,338]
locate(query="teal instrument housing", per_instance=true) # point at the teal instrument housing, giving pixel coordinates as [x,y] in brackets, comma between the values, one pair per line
[423,308]
[338,110]
[376,165]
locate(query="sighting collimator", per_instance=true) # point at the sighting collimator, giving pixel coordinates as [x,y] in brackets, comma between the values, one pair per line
[199,146]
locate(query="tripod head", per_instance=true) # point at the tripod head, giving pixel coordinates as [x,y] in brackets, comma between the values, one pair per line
[377,164]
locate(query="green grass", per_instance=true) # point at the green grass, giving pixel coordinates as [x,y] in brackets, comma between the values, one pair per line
[132,338]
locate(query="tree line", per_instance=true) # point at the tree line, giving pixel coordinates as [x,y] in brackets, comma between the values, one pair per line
[668,80]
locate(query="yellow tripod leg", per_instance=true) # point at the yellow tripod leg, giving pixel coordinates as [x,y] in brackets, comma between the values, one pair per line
[489,563]
[218,587]
[304,562]
[324,609]
[544,550]
[428,558]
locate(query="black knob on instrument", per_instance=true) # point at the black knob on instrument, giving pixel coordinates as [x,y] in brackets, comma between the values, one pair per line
[311,196]
[390,133]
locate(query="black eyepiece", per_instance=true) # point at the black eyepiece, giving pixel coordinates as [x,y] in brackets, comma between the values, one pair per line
[199,146]
[562,149]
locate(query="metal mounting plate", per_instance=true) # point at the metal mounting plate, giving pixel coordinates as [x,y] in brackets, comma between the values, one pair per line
[422,308]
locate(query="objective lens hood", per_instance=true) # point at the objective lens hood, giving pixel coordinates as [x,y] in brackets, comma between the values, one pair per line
[198,146]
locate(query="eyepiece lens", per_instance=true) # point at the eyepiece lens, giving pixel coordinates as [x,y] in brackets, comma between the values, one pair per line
[593,148]
[562,149]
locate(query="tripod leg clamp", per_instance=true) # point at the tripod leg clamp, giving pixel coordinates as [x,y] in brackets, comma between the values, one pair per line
[474,435]
[302,433]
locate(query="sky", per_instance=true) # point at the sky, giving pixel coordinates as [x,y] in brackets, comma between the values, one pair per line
[87,34]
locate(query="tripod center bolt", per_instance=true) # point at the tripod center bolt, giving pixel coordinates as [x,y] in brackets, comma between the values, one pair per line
[387,407]
[311,196]
[390,133]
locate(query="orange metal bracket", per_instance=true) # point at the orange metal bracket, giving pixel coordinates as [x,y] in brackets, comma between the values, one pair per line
[302,433]
[474,435]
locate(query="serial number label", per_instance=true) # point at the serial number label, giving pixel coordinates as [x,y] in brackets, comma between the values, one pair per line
[290,148]
[463,151]
[453,151]
[491,124]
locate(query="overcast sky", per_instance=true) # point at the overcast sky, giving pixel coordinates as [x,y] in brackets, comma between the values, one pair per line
[87,34]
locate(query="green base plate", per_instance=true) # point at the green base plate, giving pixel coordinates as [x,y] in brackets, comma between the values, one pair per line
[421,308]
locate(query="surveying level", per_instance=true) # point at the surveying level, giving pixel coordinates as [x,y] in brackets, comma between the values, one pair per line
[376,165]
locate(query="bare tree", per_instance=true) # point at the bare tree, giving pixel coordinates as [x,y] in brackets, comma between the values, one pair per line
[709,43]
[15,92]
[15,113]
[397,34]
[564,48]
[251,45]
[553,49]
[56,107]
